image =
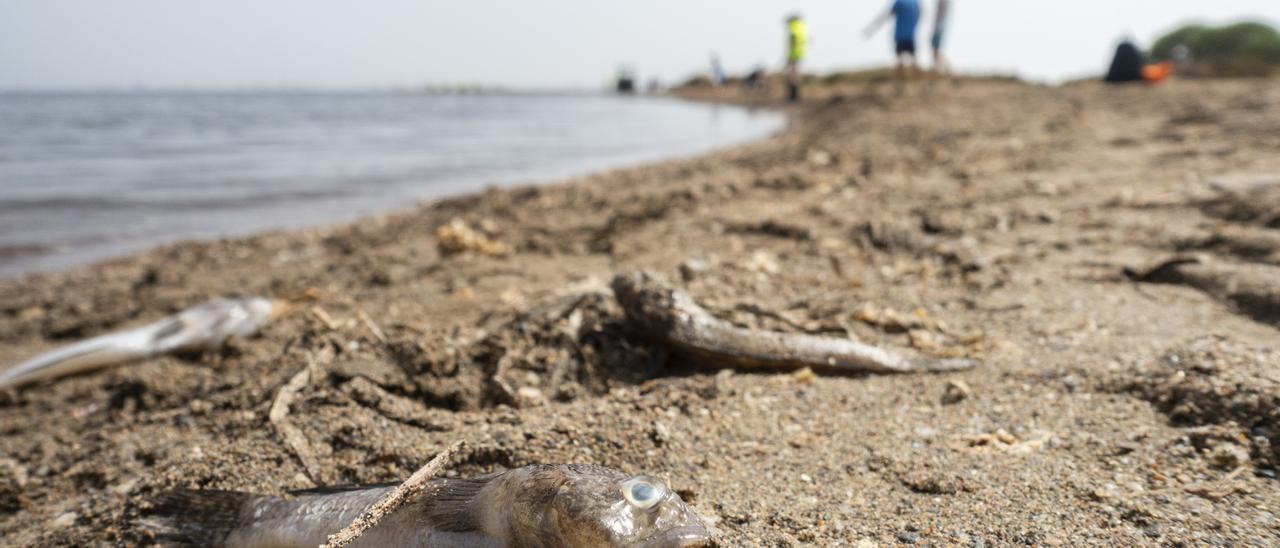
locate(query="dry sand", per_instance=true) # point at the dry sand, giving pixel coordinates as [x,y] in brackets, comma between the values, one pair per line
[993,220]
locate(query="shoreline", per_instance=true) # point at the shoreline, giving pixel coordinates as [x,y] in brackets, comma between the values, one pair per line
[266,201]
[993,221]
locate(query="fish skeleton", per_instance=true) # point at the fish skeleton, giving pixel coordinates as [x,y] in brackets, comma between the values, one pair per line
[197,329]
[537,506]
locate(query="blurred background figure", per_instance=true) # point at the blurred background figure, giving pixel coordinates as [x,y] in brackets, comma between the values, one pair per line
[625,81]
[717,71]
[1126,65]
[906,15]
[797,50]
[754,82]
[1180,54]
[940,64]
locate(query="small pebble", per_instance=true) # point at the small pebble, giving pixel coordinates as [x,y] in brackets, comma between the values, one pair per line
[659,433]
[528,396]
[1229,456]
[956,392]
[690,269]
[65,520]
[820,158]
[1153,531]
[908,537]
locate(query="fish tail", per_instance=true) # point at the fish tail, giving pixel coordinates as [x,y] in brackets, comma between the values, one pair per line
[195,518]
[78,358]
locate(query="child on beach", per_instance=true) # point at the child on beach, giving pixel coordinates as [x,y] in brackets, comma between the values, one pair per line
[906,14]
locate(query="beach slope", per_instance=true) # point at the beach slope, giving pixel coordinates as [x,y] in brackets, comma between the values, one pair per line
[1121,398]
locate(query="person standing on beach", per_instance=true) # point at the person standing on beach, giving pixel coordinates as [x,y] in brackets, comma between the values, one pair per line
[940,64]
[797,50]
[906,14]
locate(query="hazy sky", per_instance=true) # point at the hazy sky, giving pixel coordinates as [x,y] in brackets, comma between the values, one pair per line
[544,43]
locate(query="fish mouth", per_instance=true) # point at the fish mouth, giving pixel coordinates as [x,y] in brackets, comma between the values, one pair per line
[689,536]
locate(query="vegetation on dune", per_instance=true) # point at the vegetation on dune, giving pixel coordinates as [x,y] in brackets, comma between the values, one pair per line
[1246,49]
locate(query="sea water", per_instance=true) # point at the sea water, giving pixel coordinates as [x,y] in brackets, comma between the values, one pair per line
[86,176]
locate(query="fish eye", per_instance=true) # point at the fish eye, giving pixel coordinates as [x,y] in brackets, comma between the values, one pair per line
[644,492]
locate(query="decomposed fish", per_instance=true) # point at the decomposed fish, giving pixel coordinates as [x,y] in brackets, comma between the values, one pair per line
[537,506]
[197,329]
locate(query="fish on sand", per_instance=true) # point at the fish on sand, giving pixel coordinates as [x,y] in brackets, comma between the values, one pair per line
[537,506]
[196,329]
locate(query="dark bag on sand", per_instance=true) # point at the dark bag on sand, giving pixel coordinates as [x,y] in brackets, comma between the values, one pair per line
[1127,65]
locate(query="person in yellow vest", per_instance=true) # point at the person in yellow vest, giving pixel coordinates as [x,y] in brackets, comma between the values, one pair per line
[797,50]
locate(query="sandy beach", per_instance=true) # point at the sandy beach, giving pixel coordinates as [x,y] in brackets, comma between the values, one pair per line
[1121,398]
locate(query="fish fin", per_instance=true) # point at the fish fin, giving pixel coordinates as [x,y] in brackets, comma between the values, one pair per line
[195,518]
[449,504]
[167,328]
[446,503]
[332,489]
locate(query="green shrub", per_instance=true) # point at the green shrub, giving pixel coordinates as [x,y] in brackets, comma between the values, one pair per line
[1246,49]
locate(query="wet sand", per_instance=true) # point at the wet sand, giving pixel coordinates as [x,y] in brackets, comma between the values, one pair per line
[1118,401]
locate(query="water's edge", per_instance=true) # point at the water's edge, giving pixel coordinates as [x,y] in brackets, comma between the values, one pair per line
[548,177]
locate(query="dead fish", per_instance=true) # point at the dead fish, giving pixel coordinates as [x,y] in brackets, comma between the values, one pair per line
[197,329]
[538,506]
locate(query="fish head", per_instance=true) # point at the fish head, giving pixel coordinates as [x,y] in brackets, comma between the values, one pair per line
[244,317]
[600,507]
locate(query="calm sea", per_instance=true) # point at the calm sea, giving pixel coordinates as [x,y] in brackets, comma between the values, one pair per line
[89,176]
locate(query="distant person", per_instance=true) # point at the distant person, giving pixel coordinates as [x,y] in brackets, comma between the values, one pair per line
[717,71]
[754,82]
[1181,55]
[940,18]
[906,14]
[626,81]
[1126,65]
[797,50]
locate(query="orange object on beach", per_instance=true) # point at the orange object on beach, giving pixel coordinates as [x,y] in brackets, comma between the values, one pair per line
[1154,74]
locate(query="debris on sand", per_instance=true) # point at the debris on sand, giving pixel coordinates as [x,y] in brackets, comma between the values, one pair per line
[457,237]
[288,431]
[1223,390]
[956,392]
[1253,288]
[1002,440]
[397,497]
[671,316]
[1246,242]
[804,376]
[1252,202]
[1165,270]
[890,320]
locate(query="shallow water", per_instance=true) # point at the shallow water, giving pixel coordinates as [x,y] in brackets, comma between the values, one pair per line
[88,176]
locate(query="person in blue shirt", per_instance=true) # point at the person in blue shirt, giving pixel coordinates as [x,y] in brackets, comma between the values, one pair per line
[906,16]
